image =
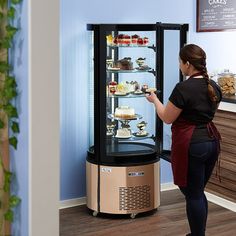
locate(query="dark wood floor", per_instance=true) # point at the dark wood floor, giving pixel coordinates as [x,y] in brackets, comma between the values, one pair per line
[168,220]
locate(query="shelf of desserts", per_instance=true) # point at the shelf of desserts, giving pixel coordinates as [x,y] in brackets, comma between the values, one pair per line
[126,114]
[126,65]
[124,132]
[124,40]
[129,89]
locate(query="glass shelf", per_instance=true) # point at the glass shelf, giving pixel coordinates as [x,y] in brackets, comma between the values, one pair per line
[132,46]
[136,117]
[130,71]
[132,138]
[132,95]
[129,46]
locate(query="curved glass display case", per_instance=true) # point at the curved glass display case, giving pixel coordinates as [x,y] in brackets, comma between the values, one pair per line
[126,136]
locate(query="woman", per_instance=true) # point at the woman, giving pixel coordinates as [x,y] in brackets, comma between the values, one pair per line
[195,139]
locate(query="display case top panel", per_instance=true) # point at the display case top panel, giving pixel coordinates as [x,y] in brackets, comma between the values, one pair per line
[137,27]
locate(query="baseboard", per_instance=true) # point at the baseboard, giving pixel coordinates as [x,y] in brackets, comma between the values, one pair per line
[164,187]
[72,202]
[168,186]
[221,201]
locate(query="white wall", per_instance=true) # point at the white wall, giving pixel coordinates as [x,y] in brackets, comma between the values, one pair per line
[44,115]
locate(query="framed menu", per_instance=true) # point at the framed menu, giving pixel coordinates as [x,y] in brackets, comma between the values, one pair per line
[216,15]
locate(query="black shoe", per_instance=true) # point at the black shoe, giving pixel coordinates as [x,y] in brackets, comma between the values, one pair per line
[188,234]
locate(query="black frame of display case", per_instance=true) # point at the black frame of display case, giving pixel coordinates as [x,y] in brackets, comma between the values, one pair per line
[100,55]
[229,98]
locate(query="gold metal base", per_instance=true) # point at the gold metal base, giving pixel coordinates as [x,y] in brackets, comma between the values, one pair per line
[123,190]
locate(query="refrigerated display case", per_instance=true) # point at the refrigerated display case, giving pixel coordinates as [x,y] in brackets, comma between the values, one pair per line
[126,136]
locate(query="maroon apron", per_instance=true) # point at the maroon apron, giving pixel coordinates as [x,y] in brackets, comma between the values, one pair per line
[182,131]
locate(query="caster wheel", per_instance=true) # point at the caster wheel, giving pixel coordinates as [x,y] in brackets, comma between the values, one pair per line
[95,213]
[132,216]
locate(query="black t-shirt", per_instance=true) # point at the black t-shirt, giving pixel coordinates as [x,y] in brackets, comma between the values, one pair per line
[192,97]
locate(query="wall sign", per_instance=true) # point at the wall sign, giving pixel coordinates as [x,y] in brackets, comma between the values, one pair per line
[216,15]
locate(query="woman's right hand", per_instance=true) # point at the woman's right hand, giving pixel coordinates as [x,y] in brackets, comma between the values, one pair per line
[152,97]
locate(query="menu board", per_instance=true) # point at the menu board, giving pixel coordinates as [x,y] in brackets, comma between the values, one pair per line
[216,15]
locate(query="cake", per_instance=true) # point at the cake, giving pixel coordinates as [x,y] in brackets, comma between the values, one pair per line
[144,88]
[134,39]
[125,40]
[145,40]
[124,112]
[123,132]
[112,87]
[140,41]
[124,64]
[150,90]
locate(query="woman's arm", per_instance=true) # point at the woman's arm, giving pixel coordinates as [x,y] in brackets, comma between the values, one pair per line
[168,113]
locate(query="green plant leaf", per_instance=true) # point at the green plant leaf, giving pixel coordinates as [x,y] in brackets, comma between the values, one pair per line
[1,15]
[9,93]
[10,110]
[7,180]
[11,12]
[13,141]
[5,43]
[3,3]
[11,30]
[9,215]
[1,124]
[10,82]
[16,1]
[14,201]
[4,67]
[15,127]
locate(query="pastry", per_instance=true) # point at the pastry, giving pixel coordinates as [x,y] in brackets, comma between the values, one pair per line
[134,39]
[123,133]
[124,64]
[124,112]
[149,90]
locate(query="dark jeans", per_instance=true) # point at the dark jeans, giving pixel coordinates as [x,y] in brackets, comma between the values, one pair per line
[202,159]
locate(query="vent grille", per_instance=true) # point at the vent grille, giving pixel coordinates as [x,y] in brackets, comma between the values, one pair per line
[134,198]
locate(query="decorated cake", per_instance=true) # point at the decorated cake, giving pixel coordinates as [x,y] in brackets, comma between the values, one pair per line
[124,64]
[123,133]
[134,39]
[124,112]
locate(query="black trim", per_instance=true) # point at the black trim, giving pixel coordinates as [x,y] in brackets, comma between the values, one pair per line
[159,80]
[229,100]
[165,155]
[123,27]
[139,154]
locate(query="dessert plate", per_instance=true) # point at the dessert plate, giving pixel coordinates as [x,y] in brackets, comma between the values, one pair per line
[120,94]
[138,93]
[114,68]
[136,117]
[140,135]
[128,136]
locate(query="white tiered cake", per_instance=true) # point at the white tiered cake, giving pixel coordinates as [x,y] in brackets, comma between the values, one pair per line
[124,112]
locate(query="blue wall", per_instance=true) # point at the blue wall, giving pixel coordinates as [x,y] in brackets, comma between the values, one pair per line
[20,157]
[220,48]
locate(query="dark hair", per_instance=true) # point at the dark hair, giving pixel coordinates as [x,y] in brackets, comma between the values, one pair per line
[197,57]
